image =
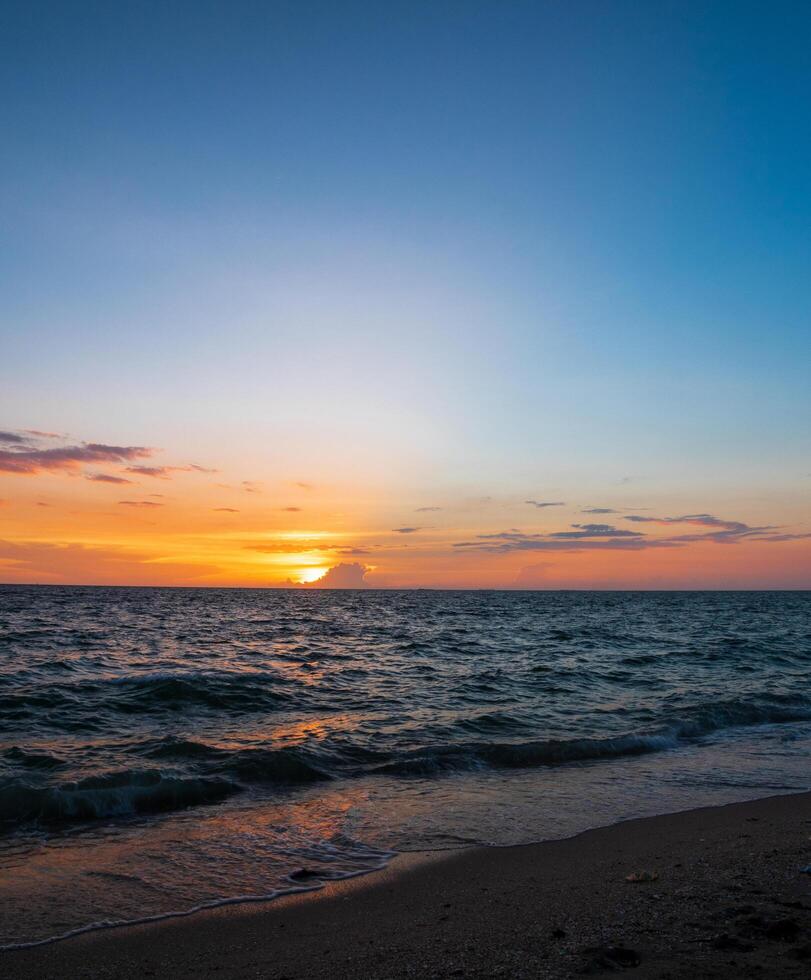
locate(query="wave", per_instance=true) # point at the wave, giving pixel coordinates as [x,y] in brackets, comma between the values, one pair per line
[693,723]
[110,795]
[149,694]
[211,774]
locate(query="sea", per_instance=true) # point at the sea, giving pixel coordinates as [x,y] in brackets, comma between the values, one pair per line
[164,750]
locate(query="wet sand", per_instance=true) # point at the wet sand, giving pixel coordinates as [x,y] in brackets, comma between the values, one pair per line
[729,901]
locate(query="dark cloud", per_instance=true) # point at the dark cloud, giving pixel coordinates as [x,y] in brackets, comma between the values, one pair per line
[12,438]
[198,469]
[598,510]
[606,537]
[30,461]
[701,520]
[582,540]
[226,510]
[596,531]
[105,478]
[426,510]
[406,530]
[721,531]
[138,503]
[546,503]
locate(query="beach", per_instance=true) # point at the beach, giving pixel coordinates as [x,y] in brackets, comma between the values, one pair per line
[728,899]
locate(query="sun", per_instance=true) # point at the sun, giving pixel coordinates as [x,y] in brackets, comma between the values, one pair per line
[308,575]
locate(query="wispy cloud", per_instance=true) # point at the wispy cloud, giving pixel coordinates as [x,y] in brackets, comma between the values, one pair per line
[249,486]
[720,531]
[12,438]
[28,461]
[106,478]
[546,503]
[583,539]
[226,510]
[596,531]
[291,510]
[407,530]
[139,503]
[157,472]
[598,510]
[165,472]
[426,510]
[607,537]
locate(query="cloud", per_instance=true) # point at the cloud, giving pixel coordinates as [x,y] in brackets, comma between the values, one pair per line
[304,486]
[598,510]
[407,530]
[546,503]
[12,438]
[295,546]
[783,537]
[347,575]
[29,461]
[529,543]
[158,472]
[596,531]
[585,537]
[226,510]
[249,486]
[532,575]
[426,510]
[291,510]
[606,537]
[27,561]
[44,435]
[702,520]
[105,478]
[138,503]
[164,472]
[721,531]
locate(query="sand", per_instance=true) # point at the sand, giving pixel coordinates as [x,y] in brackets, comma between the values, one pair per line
[729,901]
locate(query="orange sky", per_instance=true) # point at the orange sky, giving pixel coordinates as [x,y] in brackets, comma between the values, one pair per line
[80,512]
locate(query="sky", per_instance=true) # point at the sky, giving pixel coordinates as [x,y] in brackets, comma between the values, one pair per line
[449,294]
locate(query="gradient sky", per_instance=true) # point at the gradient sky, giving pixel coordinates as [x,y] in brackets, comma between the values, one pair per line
[387,274]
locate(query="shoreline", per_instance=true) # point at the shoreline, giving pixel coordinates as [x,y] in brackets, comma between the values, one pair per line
[729,900]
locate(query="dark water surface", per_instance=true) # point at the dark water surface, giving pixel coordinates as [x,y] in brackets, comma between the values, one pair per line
[166,748]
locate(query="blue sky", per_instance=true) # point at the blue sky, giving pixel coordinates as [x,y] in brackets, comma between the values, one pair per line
[464,245]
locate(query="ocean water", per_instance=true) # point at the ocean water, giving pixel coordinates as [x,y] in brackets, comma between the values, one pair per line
[163,749]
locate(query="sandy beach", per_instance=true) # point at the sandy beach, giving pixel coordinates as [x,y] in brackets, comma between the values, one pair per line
[727,899]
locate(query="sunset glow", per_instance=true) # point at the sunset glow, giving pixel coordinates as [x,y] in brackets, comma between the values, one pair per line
[446,324]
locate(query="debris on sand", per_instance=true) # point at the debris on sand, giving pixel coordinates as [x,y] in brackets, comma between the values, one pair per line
[639,876]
